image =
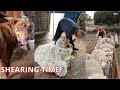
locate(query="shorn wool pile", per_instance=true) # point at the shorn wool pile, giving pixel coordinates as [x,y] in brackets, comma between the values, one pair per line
[99,62]
[51,55]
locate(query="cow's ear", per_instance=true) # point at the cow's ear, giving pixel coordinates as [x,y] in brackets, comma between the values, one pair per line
[12,19]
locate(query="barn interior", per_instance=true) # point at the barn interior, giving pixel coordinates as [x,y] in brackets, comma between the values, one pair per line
[46,23]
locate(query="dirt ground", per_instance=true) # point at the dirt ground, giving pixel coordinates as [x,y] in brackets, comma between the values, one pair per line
[23,58]
[43,39]
[90,41]
[77,68]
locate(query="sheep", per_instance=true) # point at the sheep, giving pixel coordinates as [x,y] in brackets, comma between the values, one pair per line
[50,55]
[101,58]
[107,69]
[97,76]
[110,41]
[101,46]
[60,42]
[92,66]
[106,49]
[105,40]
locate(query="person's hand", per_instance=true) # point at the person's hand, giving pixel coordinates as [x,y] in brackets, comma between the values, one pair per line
[96,36]
[70,45]
[66,41]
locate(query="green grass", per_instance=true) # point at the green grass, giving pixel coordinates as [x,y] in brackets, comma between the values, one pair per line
[118,55]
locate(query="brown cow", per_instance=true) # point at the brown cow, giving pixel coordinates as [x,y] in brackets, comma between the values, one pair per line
[12,34]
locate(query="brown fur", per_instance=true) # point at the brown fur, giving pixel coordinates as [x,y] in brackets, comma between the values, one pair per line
[22,58]
[8,41]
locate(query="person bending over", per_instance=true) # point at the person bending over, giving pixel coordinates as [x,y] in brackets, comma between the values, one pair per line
[70,28]
[101,32]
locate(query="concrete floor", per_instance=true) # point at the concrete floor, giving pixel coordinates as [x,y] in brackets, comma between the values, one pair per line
[43,39]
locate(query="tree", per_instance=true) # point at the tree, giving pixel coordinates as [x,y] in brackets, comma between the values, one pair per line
[105,17]
[88,18]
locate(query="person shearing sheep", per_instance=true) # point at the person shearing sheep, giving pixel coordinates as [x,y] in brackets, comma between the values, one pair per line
[70,28]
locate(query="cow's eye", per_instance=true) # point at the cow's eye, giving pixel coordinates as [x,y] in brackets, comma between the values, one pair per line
[25,25]
[30,26]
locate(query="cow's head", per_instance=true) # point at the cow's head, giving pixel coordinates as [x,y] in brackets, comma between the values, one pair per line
[21,28]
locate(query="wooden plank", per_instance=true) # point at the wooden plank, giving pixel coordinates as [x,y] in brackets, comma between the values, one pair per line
[116,64]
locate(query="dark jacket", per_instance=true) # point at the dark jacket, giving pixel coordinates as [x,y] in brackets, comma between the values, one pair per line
[68,26]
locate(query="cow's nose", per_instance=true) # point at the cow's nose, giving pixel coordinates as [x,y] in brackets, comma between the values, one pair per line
[27,38]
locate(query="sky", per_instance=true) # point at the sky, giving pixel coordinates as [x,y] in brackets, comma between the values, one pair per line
[90,13]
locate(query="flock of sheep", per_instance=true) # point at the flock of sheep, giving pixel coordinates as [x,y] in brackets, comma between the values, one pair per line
[99,62]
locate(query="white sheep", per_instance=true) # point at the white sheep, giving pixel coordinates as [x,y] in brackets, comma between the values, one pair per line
[60,42]
[101,58]
[97,76]
[51,55]
[93,66]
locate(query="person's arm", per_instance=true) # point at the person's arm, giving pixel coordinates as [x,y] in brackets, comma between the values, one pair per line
[104,32]
[97,33]
[67,42]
